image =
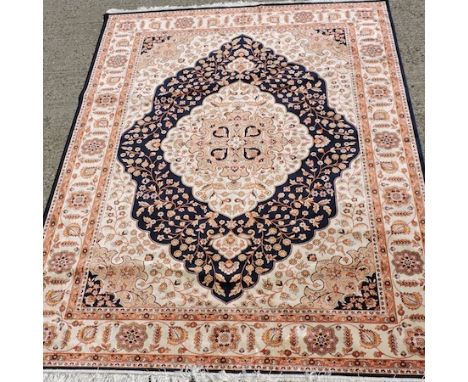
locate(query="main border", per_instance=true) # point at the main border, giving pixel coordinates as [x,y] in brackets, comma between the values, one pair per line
[72,130]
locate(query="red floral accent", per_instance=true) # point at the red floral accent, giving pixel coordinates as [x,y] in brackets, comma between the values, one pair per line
[372,50]
[396,196]
[117,61]
[93,146]
[61,262]
[408,262]
[131,336]
[321,340]
[105,100]
[387,140]
[78,199]
[184,22]
[378,91]
[224,338]
[303,17]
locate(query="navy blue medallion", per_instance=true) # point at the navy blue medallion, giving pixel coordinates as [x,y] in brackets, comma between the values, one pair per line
[236,162]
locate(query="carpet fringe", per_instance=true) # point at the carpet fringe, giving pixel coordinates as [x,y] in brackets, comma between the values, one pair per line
[202,376]
[224,4]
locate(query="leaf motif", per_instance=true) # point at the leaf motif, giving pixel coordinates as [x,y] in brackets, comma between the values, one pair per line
[392,344]
[72,230]
[157,335]
[412,300]
[197,339]
[106,335]
[316,220]
[251,340]
[316,207]
[177,335]
[248,280]
[236,277]
[218,289]
[66,338]
[273,337]
[87,334]
[235,290]
[369,339]
[208,279]
[293,340]
[54,297]
[348,338]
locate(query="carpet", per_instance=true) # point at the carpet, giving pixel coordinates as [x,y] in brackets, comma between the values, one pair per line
[241,192]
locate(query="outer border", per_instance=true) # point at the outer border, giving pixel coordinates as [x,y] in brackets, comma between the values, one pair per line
[73,125]
[407,93]
[72,130]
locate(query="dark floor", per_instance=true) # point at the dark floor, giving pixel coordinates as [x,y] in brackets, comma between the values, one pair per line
[71,30]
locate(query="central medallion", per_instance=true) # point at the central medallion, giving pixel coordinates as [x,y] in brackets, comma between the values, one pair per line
[235,148]
[236,162]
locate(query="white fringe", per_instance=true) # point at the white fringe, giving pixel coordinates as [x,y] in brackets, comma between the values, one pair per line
[225,4]
[200,376]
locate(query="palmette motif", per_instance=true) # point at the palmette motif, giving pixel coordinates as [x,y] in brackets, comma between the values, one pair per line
[212,258]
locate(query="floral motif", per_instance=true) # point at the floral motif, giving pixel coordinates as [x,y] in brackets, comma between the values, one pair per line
[408,262]
[126,26]
[415,341]
[131,337]
[94,296]
[366,299]
[184,22]
[372,50]
[378,91]
[154,144]
[79,199]
[72,230]
[62,262]
[338,285]
[117,61]
[321,340]
[303,17]
[243,19]
[87,334]
[93,146]
[105,100]
[167,47]
[387,140]
[224,338]
[119,279]
[396,196]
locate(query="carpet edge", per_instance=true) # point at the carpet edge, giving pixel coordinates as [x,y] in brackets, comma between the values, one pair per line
[203,376]
[228,4]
